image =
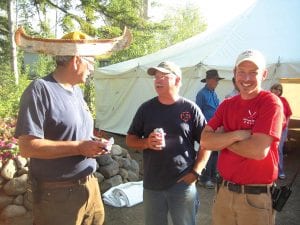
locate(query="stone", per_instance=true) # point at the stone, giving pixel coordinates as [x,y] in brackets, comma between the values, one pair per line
[123,173]
[28,199]
[132,176]
[104,160]
[116,150]
[19,200]
[13,211]
[111,182]
[109,170]
[16,185]
[20,161]
[5,200]
[99,176]
[9,169]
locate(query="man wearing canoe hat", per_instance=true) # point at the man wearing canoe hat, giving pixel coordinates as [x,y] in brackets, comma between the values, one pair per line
[55,130]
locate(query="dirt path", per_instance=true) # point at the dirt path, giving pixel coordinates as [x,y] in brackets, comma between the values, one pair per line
[290,215]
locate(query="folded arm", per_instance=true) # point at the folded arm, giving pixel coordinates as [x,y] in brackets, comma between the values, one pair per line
[242,142]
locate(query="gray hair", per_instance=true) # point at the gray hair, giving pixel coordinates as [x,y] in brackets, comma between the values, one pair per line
[61,60]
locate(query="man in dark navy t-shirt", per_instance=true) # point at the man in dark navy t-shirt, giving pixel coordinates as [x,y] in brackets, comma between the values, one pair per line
[171,164]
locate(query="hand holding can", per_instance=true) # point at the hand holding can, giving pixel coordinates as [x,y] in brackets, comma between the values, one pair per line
[161,135]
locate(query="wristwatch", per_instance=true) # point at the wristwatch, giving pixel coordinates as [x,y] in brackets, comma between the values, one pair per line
[196,174]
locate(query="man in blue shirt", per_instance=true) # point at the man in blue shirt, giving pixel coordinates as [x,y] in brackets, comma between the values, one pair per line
[208,102]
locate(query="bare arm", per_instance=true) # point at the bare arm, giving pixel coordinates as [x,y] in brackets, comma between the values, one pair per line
[255,147]
[218,140]
[241,142]
[154,142]
[33,147]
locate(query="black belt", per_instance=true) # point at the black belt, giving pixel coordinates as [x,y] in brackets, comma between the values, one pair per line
[246,189]
[67,183]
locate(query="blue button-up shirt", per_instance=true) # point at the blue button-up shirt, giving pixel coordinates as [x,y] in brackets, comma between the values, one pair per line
[208,102]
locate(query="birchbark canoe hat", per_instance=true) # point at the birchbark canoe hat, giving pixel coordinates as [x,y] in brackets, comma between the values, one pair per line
[74,43]
[211,74]
[165,67]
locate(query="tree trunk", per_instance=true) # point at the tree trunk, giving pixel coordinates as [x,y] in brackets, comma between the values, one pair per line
[13,49]
[145,9]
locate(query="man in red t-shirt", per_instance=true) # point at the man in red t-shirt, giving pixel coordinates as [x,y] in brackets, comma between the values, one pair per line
[247,129]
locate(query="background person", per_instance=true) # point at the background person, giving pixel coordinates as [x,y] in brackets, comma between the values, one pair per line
[170,172]
[208,102]
[277,89]
[252,125]
[54,129]
[235,90]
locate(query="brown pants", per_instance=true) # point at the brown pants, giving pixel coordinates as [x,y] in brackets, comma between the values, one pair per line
[79,204]
[231,208]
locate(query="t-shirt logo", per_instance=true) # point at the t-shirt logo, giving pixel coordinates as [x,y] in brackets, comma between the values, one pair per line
[249,121]
[185,116]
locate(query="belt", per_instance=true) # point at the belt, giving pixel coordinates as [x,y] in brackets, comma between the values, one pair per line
[246,189]
[67,183]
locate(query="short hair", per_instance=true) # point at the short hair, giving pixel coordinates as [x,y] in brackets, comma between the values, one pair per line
[61,60]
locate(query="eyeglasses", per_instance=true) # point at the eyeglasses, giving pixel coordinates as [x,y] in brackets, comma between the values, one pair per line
[278,89]
[163,76]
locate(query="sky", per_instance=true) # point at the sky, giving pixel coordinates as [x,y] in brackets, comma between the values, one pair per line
[216,12]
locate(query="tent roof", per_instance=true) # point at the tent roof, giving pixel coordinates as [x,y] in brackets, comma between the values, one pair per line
[270,26]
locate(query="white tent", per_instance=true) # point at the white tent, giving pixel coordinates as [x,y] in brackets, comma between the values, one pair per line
[271,26]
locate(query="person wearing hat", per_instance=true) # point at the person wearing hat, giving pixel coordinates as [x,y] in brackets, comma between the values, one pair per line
[246,128]
[55,130]
[171,164]
[208,102]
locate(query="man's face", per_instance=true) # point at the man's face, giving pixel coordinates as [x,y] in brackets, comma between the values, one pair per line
[165,82]
[249,78]
[87,67]
[212,83]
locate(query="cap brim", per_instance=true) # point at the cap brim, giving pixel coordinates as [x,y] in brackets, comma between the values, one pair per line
[151,71]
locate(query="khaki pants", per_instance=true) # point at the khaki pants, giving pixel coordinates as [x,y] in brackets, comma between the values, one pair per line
[231,208]
[80,204]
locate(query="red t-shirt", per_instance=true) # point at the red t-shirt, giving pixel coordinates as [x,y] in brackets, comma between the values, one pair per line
[263,114]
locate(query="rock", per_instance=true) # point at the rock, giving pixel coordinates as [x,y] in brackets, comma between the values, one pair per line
[123,173]
[132,176]
[13,211]
[116,150]
[28,200]
[19,200]
[111,182]
[20,161]
[16,186]
[5,200]
[109,170]
[99,176]
[104,160]
[9,169]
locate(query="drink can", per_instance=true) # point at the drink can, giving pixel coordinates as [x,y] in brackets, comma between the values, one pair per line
[161,131]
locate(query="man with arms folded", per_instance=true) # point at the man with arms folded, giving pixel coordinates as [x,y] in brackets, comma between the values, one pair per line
[247,129]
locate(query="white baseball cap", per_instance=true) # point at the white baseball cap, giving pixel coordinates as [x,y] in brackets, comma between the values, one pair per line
[253,56]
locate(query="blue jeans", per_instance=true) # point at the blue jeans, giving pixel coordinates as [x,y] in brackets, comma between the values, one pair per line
[180,200]
[280,150]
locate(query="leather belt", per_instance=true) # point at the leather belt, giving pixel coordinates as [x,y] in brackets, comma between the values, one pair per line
[246,189]
[67,183]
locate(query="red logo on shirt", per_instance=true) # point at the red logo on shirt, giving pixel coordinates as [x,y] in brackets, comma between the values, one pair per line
[185,116]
